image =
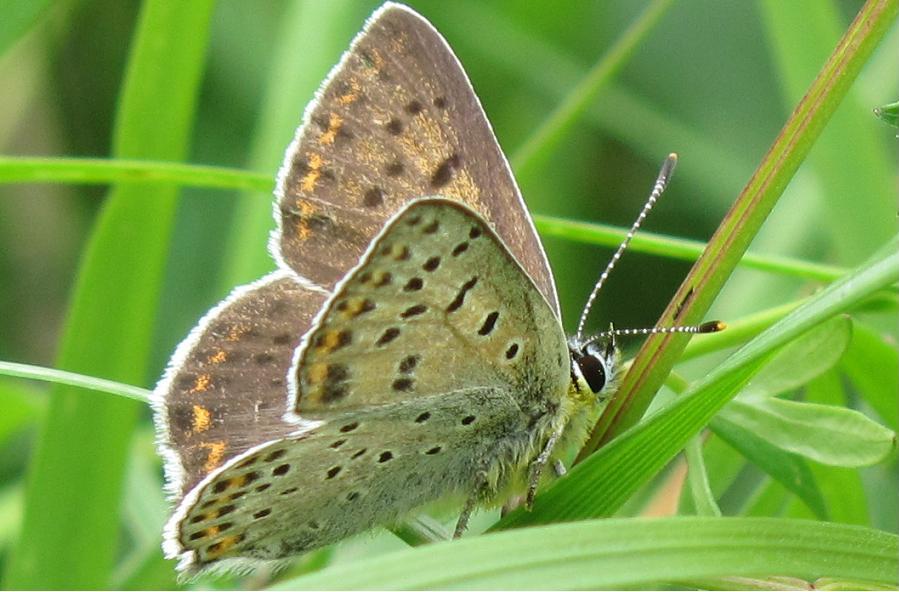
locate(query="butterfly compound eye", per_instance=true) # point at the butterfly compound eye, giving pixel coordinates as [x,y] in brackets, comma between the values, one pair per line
[593,369]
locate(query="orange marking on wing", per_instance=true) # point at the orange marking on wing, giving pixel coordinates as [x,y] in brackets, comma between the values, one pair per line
[352,95]
[201,384]
[202,419]
[399,42]
[236,332]
[331,340]
[380,278]
[307,183]
[216,452]
[377,59]
[317,373]
[224,545]
[356,306]
[399,252]
[335,122]
[218,357]
[305,210]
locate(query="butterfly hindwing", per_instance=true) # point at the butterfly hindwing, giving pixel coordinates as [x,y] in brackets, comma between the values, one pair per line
[357,470]
[226,387]
[437,304]
[397,119]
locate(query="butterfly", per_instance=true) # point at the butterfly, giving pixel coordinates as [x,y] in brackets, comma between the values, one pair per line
[408,349]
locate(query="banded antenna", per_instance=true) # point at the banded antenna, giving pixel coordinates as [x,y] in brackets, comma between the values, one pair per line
[708,327]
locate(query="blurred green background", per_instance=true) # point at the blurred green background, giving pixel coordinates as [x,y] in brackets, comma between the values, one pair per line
[714,81]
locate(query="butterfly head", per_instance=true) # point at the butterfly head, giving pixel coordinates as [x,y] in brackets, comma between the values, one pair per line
[594,368]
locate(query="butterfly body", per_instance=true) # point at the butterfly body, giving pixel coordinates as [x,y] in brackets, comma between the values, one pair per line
[456,402]
[409,349]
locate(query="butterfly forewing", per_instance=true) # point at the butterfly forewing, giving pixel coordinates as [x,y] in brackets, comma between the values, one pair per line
[226,389]
[437,305]
[396,120]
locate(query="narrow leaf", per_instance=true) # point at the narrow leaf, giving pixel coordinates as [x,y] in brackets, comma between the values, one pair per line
[790,470]
[825,433]
[624,553]
[805,358]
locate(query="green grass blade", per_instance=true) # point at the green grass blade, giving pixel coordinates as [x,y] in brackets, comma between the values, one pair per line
[99,171]
[74,379]
[80,456]
[677,248]
[604,481]
[691,302]
[625,554]
[698,479]
[91,171]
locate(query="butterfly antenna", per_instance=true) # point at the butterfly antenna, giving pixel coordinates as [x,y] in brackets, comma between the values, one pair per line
[707,327]
[657,189]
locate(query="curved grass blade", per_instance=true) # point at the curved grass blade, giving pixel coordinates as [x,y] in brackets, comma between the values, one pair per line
[624,554]
[94,171]
[74,379]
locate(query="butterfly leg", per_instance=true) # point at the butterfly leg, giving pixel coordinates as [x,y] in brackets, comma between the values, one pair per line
[559,468]
[470,504]
[537,467]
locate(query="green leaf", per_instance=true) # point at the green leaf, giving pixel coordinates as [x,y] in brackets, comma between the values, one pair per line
[842,489]
[825,433]
[71,524]
[625,553]
[805,358]
[790,470]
